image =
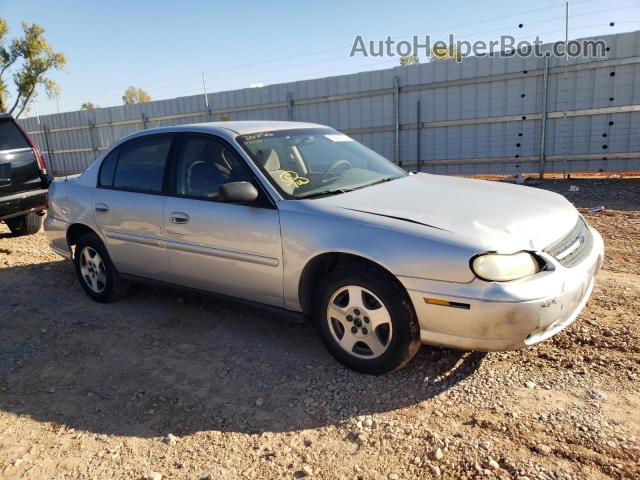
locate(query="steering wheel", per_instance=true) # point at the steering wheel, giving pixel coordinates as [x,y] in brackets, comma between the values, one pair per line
[333,167]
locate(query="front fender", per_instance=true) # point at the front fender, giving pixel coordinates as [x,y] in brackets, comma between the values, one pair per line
[403,248]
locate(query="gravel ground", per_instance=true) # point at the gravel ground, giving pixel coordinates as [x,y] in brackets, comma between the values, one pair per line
[166,385]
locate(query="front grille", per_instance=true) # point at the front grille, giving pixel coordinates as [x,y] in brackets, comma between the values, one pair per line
[574,247]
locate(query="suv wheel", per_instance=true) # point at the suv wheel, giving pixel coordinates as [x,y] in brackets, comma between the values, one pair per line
[25,225]
[366,320]
[97,274]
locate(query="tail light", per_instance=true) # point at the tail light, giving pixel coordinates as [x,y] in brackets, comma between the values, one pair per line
[42,166]
[45,178]
[40,159]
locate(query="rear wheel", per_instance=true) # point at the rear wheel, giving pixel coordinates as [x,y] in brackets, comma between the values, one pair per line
[25,225]
[98,276]
[366,320]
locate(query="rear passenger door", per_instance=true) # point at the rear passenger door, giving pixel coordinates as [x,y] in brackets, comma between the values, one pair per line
[129,203]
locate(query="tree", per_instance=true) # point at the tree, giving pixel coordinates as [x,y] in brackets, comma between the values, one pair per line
[409,60]
[88,106]
[29,57]
[135,95]
[442,52]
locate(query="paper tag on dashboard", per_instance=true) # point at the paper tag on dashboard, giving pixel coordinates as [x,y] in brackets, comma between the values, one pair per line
[339,138]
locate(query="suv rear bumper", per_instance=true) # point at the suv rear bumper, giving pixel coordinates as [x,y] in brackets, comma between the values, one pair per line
[18,204]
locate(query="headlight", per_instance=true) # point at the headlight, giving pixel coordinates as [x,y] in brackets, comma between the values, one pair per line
[502,268]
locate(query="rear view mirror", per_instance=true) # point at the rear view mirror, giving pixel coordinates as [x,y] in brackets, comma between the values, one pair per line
[237,192]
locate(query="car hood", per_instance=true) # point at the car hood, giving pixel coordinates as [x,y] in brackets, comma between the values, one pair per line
[495,216]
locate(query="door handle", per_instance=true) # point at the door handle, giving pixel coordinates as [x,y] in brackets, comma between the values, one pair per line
[102,208]
[179,218]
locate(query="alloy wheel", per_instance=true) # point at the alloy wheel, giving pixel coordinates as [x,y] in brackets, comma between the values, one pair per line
[359,322]
[93,270]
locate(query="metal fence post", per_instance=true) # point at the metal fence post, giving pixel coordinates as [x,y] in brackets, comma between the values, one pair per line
[418,133]
[63,152]
[396,120]
[49,152]
[204,90]
[543,125]
[93,142]
[289,107]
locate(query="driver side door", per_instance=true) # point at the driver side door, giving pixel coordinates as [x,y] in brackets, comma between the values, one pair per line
[230,249]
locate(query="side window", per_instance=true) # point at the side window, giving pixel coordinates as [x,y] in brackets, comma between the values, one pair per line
[107,169]
[203,164]
[141,164]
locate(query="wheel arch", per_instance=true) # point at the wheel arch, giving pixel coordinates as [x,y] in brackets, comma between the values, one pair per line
[77,230]
[323,263]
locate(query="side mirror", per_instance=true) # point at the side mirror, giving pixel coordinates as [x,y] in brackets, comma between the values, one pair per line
[237,192]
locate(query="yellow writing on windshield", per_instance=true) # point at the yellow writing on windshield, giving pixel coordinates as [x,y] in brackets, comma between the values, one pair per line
[292,178]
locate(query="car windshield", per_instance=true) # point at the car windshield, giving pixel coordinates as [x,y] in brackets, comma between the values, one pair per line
[307,163]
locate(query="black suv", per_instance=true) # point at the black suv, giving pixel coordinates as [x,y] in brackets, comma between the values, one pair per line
[23,179]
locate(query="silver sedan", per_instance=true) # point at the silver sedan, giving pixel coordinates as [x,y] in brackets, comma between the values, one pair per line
[302,219]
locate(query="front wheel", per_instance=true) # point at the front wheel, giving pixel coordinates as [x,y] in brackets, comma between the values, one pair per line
[28,224]
[366,320]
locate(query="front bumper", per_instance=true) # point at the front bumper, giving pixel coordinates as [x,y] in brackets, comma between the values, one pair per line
[505,316]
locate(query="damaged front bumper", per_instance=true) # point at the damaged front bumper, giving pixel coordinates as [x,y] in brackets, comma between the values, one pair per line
[486,316]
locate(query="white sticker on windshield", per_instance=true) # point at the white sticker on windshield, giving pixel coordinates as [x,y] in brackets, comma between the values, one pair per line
[339,138]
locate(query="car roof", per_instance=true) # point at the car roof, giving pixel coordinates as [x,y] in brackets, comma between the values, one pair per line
[237,127]
[254,126]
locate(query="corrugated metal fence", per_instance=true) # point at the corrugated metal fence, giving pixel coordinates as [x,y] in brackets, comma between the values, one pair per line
[501,115]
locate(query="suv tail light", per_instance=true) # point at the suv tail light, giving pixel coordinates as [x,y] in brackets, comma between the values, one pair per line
[40,158]
[42,166]
[45,177]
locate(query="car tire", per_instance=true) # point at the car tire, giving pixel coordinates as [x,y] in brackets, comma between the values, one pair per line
[376,317]
[25,225]
[98,276]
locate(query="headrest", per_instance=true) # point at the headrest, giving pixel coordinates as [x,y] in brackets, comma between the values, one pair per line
[269,159]
[204,179]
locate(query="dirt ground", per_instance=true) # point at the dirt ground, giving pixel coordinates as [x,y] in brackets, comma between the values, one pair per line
[164,385]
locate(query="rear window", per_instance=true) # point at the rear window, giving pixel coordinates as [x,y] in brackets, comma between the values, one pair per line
[107,169]
[141,164]
[11,137]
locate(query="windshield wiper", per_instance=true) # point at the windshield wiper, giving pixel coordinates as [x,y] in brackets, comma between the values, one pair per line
[381,180]
[333,191]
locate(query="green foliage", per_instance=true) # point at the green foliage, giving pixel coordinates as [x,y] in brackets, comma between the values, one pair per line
[88,106]
[135,95]
[28,58]
[409,60]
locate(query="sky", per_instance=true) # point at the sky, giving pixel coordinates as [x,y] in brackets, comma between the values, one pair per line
[165,46]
